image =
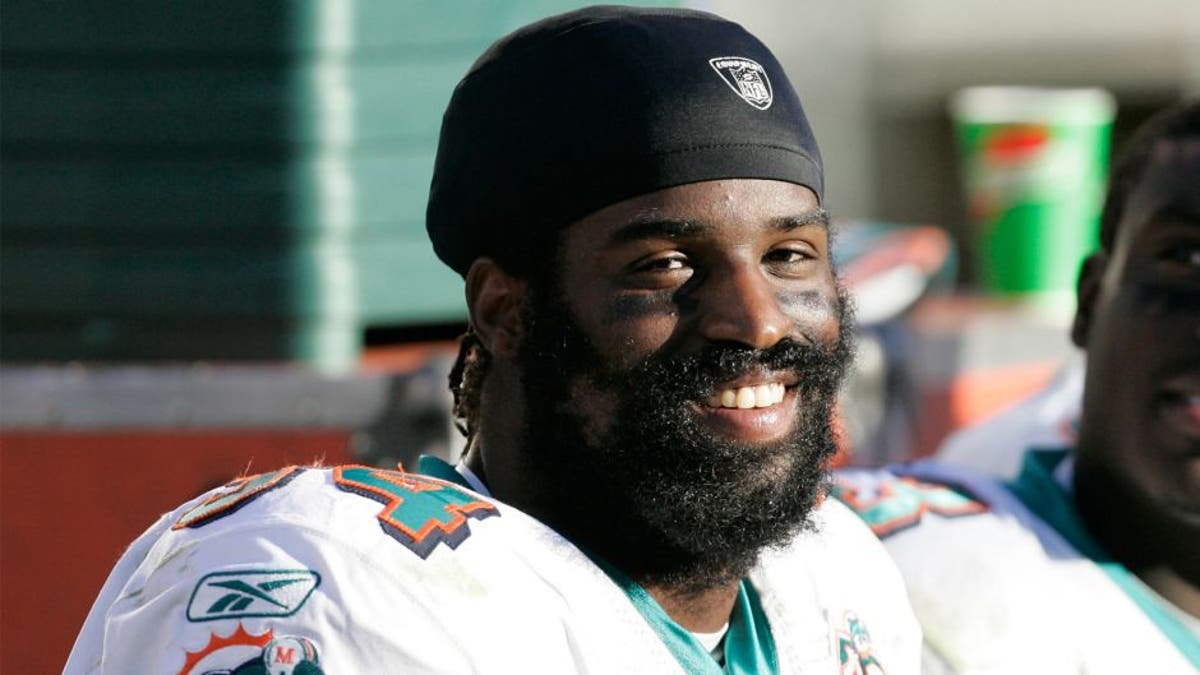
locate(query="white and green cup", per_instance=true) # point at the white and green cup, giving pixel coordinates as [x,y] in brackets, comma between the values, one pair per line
[1034,162]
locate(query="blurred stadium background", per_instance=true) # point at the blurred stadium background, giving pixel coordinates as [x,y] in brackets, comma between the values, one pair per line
[213,260]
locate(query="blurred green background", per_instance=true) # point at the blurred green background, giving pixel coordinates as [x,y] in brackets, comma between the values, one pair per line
[227,180]
[235,181]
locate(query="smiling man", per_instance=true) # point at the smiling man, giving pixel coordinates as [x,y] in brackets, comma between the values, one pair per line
[693,345]
[1089,560]
[634,199]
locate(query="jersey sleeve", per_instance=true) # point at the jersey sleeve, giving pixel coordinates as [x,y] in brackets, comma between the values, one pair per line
[289,599]
[308,583]
[84,657]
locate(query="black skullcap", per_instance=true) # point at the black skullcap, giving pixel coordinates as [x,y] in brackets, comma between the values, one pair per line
[585,109]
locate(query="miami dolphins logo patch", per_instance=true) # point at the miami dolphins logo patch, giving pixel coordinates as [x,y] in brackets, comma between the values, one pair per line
[245,653]
[855,651]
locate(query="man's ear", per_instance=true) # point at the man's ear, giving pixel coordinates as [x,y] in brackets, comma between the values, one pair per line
[495,300]
[1087,291]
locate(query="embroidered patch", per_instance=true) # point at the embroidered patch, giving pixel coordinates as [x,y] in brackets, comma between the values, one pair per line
[234,496]
[419,512]
[896,505]
[244,653]
[251,593]
[855,651]
[290,655]
[746,78]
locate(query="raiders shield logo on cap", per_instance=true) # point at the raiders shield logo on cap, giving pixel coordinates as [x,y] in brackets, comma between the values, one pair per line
[747,79]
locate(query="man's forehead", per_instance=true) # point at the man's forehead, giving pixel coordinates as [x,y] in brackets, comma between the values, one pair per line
[1172,176]
[699,208]
[1169,189]
[1168,150]
[655,223]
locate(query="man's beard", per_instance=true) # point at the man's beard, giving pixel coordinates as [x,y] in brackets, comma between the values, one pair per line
[656,493]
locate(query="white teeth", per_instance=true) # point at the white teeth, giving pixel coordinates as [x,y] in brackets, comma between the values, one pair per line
[744,398]
[729,399]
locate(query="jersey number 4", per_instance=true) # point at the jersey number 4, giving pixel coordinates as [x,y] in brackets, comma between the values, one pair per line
[899,504]
[419,512]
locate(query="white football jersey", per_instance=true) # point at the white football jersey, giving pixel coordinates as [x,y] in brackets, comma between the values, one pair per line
[1004,578]
[354,570]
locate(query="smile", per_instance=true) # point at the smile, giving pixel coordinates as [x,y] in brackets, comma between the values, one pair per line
[757,396]
[759,406]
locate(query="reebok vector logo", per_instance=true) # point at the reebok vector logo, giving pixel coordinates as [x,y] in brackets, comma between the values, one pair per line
[250,593]
[746,78]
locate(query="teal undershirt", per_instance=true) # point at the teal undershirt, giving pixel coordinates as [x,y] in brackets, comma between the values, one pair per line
[749,646]
[1037,489]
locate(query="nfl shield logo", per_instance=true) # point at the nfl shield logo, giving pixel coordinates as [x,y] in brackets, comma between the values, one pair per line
[746,78]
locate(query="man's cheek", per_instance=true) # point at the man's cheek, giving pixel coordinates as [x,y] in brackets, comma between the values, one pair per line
[1167,302]
[594,408]
[817,315]
[633,327]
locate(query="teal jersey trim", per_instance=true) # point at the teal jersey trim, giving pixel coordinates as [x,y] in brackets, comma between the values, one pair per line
[749,646]
[433,467]
[1039,492]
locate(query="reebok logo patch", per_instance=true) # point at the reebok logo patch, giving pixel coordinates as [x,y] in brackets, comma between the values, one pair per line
[746,78]
[251,593]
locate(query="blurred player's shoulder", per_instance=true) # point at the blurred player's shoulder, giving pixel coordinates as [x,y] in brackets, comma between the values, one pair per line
[994,586]
[894,500]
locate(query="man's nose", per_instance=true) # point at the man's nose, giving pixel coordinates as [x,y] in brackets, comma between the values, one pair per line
[740,305]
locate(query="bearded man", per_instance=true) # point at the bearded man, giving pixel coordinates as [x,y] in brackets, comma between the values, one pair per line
[633,198]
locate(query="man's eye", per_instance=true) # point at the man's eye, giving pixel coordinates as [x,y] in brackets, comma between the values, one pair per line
[663,264]
[788,256]
[1186,254]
